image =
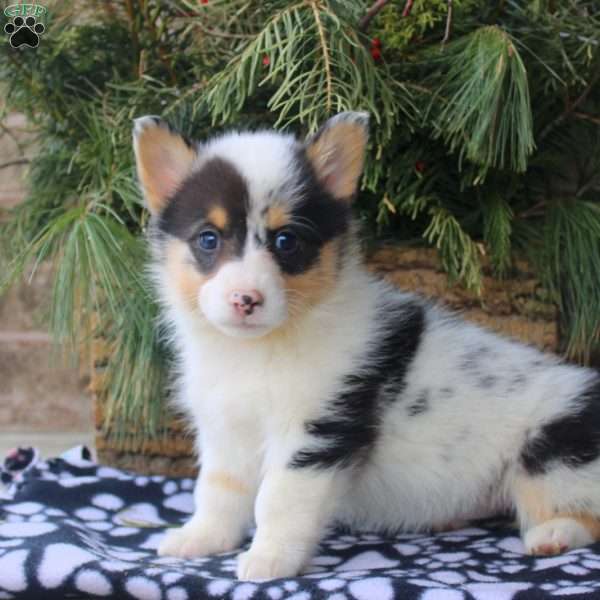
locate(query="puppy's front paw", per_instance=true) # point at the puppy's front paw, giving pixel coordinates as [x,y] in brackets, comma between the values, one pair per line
[194,540]
[269,563]
[556,536]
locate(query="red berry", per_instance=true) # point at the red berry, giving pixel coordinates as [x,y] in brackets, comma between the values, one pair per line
[376,43]
[420,166]
[376,54]
[203,1]
[266,60]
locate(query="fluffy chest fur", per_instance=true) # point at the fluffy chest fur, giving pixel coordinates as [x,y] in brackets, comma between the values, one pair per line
[321,394]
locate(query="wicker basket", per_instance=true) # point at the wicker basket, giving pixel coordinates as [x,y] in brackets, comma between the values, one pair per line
[516,307]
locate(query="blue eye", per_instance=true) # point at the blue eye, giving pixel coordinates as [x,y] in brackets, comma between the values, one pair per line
[286,242]
[208,240]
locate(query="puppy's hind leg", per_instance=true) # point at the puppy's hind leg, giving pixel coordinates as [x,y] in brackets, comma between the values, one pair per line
[557,487]
[561,534]
[547,526]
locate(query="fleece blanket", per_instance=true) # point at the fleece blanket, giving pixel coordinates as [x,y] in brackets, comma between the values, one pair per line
[70,528]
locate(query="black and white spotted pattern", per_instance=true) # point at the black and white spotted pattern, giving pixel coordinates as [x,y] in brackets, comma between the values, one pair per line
[70,528]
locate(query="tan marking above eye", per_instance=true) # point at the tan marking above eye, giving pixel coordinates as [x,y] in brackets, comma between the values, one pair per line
[218,216]
[277,217]
[227,482]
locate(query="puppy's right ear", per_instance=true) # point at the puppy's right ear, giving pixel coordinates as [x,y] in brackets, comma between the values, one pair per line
[337,153]
[163,158]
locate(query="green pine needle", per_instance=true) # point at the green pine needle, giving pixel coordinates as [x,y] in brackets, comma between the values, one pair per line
[312,59]
[497,230]
[571,264]
[486,111]
[459,253]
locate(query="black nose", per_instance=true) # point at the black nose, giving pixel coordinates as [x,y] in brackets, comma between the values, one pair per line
[249,304]
[246,301]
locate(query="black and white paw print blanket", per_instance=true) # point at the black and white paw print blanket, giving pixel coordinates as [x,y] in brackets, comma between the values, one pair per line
[70,528]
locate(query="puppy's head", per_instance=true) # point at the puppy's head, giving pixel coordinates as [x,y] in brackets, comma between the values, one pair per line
[249,227]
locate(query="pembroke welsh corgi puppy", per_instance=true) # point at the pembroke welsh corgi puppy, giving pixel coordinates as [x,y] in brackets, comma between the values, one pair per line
[321,394]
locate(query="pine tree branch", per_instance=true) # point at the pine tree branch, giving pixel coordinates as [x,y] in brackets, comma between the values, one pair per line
[487,116]
[135,40]
[5,131]
[586,117]
[407,8]
[365,21]
[208,30]
[591,183]
[534,211]
[223,34]
[570,107]
[448,23]
[326,57]
[161,51]
[13,163]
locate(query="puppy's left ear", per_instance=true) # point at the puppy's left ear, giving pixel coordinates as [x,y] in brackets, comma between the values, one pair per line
[163,158]
[337,153]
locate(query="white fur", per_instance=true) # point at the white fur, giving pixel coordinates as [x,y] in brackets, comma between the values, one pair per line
[255,271]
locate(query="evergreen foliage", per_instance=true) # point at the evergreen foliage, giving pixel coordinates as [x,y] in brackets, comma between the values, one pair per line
[486,98]
[485,142]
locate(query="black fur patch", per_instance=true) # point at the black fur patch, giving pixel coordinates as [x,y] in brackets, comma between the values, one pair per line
[316,219]
[487,381]
[216,184]
[516,383]
[420,405]
[573,440]
[352,427]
